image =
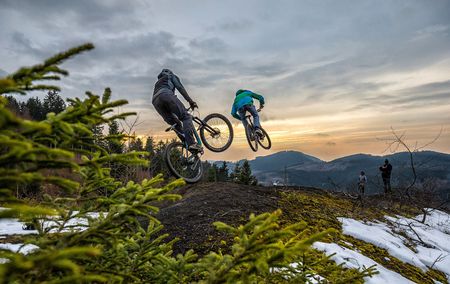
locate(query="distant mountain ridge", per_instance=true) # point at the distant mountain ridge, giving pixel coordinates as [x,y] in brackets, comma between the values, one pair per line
[297,168]
[282,159]
[342,173]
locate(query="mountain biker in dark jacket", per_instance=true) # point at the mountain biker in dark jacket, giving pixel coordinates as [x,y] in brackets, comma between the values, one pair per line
[172,109]
[243,102]
[386,170]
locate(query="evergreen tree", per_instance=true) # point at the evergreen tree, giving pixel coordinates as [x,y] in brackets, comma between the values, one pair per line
[245,174]
[53,103]
[156,157]
[150,146]
[222,172]
[35,109]
[98,137]
[234,176]
[13,105]
[206,167]
[136,145]
[115,145]
[150,149]
[213,173]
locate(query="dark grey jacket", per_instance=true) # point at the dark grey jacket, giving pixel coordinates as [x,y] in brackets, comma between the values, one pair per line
[167,83]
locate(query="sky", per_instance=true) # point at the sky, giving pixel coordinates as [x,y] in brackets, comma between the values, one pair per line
[337,76]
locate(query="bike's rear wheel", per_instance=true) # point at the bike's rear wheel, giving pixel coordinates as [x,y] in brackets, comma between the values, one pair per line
[265,140]
[182,163]
[251,138]
[217,134]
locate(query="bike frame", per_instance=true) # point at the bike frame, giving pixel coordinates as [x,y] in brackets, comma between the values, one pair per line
[201,124]
[197,137]
[250,121]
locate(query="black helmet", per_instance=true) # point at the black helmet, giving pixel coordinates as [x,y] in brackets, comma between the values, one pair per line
[166,72]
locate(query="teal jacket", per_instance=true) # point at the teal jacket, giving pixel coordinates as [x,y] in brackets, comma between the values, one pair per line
[243,98]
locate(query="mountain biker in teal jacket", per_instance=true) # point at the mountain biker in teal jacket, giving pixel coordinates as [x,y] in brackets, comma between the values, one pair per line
[243,103]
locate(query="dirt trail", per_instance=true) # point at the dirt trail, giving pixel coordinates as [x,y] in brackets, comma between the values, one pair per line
[190,219]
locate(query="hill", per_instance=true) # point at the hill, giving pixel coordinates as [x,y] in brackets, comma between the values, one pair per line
[283,159]
[379,232]
[304,170]
[390,246]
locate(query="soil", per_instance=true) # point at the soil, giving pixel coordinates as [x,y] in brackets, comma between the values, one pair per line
[190,219]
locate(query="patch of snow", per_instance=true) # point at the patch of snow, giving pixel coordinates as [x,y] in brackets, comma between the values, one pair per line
[431,240]
[20,248]
[13,226]
[419,232]
[435,258]
[437,219]
[380,235]
[353,259]
[25,249]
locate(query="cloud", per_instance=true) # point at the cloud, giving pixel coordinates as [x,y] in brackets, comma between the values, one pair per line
[351,63]
[322,134]
[232,25]
[424,95]
[209,45]
[86,15]
[24,45]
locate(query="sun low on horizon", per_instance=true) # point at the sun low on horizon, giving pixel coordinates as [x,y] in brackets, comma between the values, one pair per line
[338,77]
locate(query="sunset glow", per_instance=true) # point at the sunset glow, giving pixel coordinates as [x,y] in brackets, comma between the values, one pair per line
[336,75]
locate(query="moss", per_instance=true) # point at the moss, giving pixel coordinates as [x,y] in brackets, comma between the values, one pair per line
[392,263]
[331,271]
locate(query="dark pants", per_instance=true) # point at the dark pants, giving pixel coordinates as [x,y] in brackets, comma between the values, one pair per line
[361,188]
[173,112]
[252,110]
[387,184]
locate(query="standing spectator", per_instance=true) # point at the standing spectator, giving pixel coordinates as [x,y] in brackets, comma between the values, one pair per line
[386,170]
[362,183]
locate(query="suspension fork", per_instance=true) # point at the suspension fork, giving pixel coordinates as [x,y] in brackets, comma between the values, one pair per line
[202,124]
[250,122]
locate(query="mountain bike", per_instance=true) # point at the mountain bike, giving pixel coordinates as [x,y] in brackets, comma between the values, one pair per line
[254,138]
[216,134]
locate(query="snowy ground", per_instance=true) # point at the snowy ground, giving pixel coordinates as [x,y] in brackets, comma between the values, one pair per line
[431,241]
[352,259]
[12,226]
[19,247]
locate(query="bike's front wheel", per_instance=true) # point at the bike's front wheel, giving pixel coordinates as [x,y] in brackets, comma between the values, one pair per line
[251,137]
[264,140]
[182,163]
[216,133]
